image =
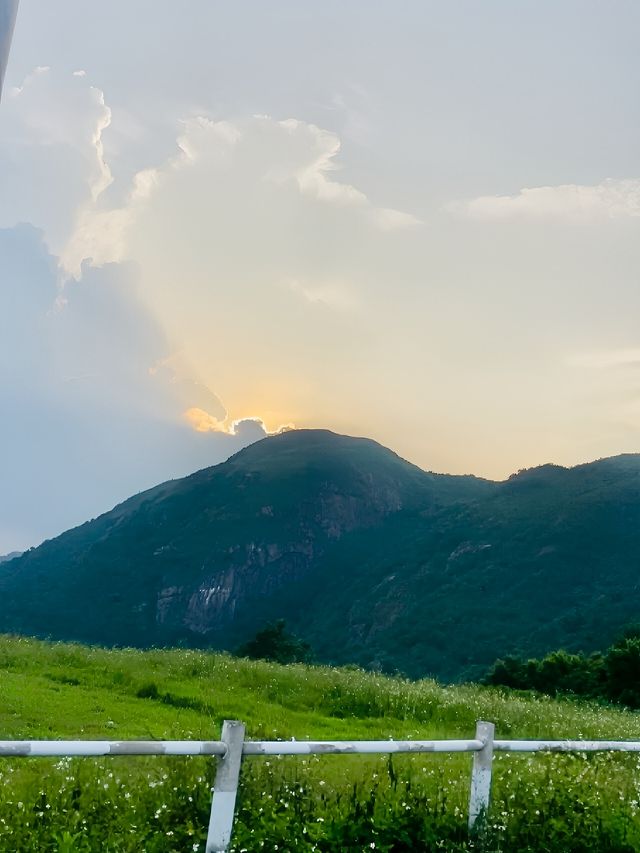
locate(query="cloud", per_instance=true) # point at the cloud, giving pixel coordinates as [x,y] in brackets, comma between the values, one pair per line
[203,421]
[249,429]
[52,154]
[607,359]
[334,295]
[388,219]
[250,250]
[261,157]
[573,202]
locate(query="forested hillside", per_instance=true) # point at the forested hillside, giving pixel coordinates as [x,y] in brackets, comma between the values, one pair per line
[369,559]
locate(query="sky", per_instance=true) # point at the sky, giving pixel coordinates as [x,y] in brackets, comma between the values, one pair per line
[413,221]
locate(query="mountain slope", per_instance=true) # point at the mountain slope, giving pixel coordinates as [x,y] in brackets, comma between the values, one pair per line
[200,559]
[368,558]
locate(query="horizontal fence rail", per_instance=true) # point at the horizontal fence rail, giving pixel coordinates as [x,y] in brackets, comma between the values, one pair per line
[566,745]
[96,748]
[232,747]
[88,748]
[356,747]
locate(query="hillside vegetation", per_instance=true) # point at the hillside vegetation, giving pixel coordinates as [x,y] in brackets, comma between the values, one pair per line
[369,559]
[613,675]
[330,803]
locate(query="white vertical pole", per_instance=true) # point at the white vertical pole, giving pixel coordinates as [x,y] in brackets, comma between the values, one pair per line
[481,774]
[225,788]
[8,12]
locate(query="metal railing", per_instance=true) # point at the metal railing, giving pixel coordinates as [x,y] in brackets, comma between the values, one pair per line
[232,747]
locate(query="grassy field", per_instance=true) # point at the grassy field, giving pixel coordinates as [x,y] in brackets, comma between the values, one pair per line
[330,803]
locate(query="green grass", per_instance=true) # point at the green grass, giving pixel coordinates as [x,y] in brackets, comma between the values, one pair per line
[330,803]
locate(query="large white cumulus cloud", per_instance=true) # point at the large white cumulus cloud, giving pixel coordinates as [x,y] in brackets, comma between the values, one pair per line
[252,172]
[255,255]
[113,290]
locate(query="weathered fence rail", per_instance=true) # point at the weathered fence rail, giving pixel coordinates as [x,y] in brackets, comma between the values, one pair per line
[232,747]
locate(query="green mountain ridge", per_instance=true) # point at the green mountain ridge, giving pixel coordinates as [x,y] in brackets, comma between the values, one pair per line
[367,557]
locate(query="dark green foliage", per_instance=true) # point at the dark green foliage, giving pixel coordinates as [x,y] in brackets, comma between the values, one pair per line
[555,674]
[622,671]
[369,559]
[148,691]
[275,643]
[614,675]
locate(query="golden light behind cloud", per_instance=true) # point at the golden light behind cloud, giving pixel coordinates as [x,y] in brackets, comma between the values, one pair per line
[202,421]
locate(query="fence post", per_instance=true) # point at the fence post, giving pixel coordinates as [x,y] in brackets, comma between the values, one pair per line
[481,774]
[225,788]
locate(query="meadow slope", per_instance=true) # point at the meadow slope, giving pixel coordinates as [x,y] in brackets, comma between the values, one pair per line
[330,803]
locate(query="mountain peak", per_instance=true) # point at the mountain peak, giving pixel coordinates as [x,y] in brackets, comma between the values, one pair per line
[309,446]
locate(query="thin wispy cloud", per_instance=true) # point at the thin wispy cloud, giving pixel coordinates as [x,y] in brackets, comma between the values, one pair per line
[605,359]
[610,199]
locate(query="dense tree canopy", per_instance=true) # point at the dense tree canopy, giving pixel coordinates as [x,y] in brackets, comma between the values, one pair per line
[614,675]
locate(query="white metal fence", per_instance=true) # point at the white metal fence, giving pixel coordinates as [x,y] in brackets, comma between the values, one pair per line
[232,747]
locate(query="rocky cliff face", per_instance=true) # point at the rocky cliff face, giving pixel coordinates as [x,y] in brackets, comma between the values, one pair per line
[261,568]
[256,569]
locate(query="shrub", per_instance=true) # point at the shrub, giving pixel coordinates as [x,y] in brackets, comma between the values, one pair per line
[148,691]
[276,644]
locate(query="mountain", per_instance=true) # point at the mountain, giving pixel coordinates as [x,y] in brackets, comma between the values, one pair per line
[369,558]
[4,558]
[201,558]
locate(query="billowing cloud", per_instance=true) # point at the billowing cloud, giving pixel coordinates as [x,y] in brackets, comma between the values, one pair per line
[573,202]
[250,249]
[52,155]
[259,160]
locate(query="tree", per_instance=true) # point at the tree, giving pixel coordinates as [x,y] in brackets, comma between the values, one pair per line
[622,665]
[557,673]
[508,672]
[275,643]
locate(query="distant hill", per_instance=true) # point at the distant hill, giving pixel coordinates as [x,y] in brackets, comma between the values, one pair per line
[367,557]
[4,558]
